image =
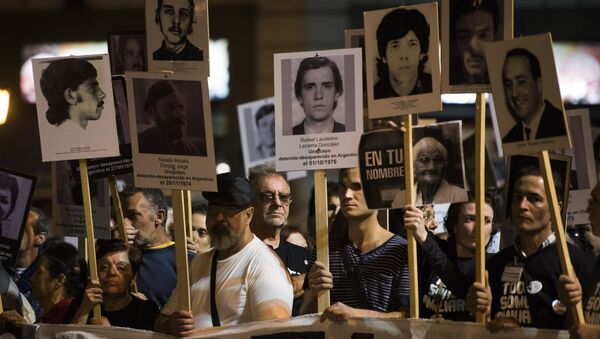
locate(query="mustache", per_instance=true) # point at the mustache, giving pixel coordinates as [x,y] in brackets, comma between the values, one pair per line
[101,103]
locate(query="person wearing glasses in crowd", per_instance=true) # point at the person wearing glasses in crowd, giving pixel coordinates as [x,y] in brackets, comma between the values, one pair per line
[271,211]
[368,265]
[240,279]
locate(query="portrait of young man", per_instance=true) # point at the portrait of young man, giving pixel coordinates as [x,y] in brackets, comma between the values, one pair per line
[9,191]
[128,52]
[471,24]
[264,120]
[318,87]
[175,18]
[75,107]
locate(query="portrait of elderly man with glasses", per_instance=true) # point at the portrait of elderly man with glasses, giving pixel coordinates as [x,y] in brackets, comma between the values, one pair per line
[240,279]
[271,210]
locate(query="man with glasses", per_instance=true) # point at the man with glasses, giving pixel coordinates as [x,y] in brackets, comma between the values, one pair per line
[271,211]
[368,265]
[240,279]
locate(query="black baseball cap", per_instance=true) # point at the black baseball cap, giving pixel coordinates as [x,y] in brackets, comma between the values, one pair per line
[233,190]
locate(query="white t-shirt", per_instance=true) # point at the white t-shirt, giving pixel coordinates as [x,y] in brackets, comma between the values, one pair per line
[248,278]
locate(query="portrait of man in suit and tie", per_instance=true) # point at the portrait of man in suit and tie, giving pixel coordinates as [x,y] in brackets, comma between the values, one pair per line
[536,117]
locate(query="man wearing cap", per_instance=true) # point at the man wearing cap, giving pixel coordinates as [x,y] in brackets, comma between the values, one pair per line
[165,105]
[240,279]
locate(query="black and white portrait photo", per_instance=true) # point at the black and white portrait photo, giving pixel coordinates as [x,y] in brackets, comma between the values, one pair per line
[402,60]
[169,117]
[257,131]
[177,30]
[76,113]
[466,26]
[317,95]
[127,52]
[16,192]
[438,163]
[527,97]
[171,131]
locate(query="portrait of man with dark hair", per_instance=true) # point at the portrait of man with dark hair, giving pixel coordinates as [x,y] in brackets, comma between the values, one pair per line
[402,45]
[318,86]
[175,19]
[130,53]
[165,106]
[472,23]
[535,117]
[9,190]
[265,129]
[73,94]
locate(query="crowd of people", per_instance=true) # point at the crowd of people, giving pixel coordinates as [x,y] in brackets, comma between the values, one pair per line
[247,264]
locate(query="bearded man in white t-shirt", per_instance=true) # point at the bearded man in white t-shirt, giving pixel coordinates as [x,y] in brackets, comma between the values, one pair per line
[250,282]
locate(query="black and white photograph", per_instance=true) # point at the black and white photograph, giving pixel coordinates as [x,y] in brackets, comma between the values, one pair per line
[403,60]
[257,131]
[127,51]
[315,100]
[67,202]
[16,192]
[438,165]
[583,176]
[521,172]
[466,25]
[527,97]
[177,36]
[75,108]
[355,38]
[171,130]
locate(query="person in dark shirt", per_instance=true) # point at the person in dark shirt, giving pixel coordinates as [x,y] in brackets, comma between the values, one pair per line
[118,265]
[271,210]
[175,18]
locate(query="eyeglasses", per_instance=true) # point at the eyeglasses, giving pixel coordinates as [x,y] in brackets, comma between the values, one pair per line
[228,211]
[269,197]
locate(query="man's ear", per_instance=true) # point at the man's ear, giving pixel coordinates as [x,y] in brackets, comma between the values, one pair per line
[249,213]
[160,217]
[70,96]
[60,280]
[39,239]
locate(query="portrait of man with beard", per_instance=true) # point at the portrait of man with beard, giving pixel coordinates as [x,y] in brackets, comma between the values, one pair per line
[165,106]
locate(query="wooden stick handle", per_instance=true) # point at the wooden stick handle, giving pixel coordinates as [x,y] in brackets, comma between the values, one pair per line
[413,269]
[181,258]
[89,226]
[322,230]
[480,316]
[187,204]
[558,229]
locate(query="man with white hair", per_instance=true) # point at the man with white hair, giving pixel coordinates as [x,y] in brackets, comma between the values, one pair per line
[430,161]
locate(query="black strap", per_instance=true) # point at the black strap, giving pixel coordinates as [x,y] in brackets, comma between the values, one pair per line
[354,277]
[214,314]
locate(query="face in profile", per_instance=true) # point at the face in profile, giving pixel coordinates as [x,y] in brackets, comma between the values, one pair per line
[403,56]
[429,165]
[114,273]
[90,100]
[266,129]
[472,30]
[318,95]
[523,92]
[5,202]
[170,115]
[132,57]
[175,20]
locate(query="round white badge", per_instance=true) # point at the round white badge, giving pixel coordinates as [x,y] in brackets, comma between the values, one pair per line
[534,287]
[558,307]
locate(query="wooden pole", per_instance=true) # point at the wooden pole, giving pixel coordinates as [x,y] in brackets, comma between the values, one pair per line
[558,229]
[118,210]
[413,269]
[89,226]
[181,258]
[480,317]
[187,202]
[322,230]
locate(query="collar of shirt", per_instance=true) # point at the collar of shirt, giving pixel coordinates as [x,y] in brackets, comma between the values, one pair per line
[535,124]
[549,241]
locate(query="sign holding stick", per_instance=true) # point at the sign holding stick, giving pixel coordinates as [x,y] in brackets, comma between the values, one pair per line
[410,198]
[181,258]
[558,229]
[89,226]
[480,195]
[321,218]
[187,205]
